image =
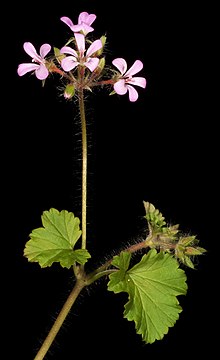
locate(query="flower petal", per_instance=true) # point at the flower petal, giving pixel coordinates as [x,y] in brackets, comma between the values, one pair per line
[133,94]
[77,28]
[44,50]
[86,18]
[120,87]
[25,68]
[139,81]
[92,63]
[95,46]
[120,64]
[67,21]
[80,40]
[31,51]
[41,72]
[86,28]
[69,63]
[68,50]
[135,68]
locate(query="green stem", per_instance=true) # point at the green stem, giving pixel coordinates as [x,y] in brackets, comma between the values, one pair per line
[84,166]
[59,320]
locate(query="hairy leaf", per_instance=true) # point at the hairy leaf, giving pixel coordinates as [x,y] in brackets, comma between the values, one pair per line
[152,286]
[54,242]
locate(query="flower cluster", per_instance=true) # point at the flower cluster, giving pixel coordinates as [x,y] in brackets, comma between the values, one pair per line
[87,58]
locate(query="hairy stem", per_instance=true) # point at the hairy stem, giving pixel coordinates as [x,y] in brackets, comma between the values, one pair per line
[59,320]
[82,281]
[84,166]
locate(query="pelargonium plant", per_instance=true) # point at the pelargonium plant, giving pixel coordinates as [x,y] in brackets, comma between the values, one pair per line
[152,283]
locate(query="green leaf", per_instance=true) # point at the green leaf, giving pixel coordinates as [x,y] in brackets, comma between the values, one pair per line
[54,242]
[116,282]
[152,286]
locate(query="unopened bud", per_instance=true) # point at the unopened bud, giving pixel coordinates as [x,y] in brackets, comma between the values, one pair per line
[187,240]
[103,41]
[190,250]
[69,91]
[188,262]
[101,65]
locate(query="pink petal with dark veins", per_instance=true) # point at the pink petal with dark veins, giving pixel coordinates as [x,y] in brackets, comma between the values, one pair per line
[92,64]
[139,81]
[135,68]
[95,46]
[120,64]
[68,50]
[69,63]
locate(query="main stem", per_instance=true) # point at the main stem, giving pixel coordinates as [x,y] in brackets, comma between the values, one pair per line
[59,320]
[80,282]
[84,166]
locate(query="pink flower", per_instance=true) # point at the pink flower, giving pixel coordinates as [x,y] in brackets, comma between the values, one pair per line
[84,22]
[38,61]
[126,79]
[78,58]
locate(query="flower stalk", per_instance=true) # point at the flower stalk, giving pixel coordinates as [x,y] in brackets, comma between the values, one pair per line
[84,166]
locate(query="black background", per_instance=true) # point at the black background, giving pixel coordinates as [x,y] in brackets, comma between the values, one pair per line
[161,149]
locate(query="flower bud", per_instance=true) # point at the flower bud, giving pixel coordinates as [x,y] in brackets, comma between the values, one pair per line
[187,240]
[100,66]
[194,250]
[69,91]
[103,40]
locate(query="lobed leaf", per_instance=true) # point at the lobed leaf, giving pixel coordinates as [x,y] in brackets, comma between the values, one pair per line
[54,242]
[152,286]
